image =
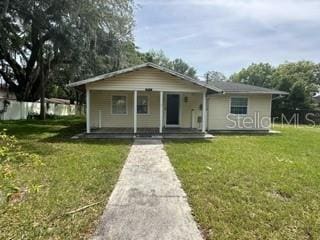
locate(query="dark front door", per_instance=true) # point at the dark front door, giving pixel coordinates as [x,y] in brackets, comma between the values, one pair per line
[173,106]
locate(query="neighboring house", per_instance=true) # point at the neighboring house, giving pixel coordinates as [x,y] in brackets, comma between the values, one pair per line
[149,96]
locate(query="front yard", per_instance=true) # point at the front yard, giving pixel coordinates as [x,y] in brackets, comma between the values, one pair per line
[35,197]
[253,187]
[239,187]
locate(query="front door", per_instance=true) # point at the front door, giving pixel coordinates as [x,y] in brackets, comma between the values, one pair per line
[173,109]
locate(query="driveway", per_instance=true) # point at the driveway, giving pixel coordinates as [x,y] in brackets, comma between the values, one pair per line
[148,201]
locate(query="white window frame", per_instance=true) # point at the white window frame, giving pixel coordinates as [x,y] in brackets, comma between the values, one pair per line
[148,106]
[230,105]
[119,95]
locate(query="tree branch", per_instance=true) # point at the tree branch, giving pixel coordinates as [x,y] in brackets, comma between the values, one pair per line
[17,69]
[36,46]
[8,80]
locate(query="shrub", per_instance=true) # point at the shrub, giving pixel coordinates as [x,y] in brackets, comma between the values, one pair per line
[11,154]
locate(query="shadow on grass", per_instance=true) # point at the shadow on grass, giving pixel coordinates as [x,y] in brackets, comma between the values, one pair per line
[38,129]
[64,136]
[235,134]
[58,130]
[187,141]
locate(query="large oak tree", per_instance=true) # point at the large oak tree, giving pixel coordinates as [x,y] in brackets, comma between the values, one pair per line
[41,38]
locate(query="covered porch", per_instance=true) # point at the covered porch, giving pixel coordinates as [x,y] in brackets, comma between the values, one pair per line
[146,113]
[128,133]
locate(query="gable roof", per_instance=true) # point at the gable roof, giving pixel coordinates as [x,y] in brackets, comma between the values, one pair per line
[216,86]
[152,65]
[231,87]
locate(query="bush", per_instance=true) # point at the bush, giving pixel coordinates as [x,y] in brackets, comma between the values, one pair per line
[10,150]
[11,154]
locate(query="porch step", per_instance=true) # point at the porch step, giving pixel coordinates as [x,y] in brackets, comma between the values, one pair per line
[188,136]
[142,136]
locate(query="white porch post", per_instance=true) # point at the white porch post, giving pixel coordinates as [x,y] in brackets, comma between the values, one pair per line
[135,97]
[88,109]
[161,112]
[204,111]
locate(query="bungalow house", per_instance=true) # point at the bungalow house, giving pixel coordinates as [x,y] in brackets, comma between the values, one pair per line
[152,98]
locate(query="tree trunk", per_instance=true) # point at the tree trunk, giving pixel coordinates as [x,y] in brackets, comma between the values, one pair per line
[42,94]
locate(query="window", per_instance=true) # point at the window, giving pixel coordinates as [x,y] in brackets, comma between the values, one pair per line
[119,104]
[239,105]
[142,105]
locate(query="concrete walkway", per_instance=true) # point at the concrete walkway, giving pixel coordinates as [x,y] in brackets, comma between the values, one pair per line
[148,202]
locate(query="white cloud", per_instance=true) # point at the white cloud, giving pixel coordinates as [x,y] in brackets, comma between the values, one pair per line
[263,10]
[226,35]
[224,43]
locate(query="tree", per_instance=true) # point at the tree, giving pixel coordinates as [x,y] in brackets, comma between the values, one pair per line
[301,79]
[316,75]
[260,74]
[178,65]
[53,35]
[212,76]
[299,97]
[158,57]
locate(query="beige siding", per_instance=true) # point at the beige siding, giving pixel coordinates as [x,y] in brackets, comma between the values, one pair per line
[101,102]
[146,78]
[258,117]
[192,105]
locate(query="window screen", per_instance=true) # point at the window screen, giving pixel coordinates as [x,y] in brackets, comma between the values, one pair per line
[239,105]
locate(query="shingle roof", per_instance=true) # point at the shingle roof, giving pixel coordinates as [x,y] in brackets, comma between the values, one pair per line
[231,87]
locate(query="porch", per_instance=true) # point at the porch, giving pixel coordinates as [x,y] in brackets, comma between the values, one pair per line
[128,133]
[147,131]
[145,113]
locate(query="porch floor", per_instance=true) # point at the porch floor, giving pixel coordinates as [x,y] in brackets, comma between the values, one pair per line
[148,130]
[127,133]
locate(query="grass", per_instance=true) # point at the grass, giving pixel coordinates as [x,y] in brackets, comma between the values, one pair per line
[253,187]
[75,173]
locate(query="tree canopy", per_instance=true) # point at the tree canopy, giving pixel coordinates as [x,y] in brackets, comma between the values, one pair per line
[57,39]
[260,74]
[301,79]
[178,65]
[212,76]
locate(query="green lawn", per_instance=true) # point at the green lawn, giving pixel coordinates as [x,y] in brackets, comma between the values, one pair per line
[74,173]
[253,187]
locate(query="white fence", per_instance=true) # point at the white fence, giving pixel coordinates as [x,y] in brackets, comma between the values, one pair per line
[20,110]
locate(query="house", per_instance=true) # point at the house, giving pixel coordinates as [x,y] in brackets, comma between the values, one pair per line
[154,98]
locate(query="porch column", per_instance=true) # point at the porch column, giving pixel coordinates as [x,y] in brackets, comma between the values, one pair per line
[135,97]
[204,111]
[88,109]
[161,112]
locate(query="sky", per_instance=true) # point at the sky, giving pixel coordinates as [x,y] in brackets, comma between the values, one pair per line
[228,35]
